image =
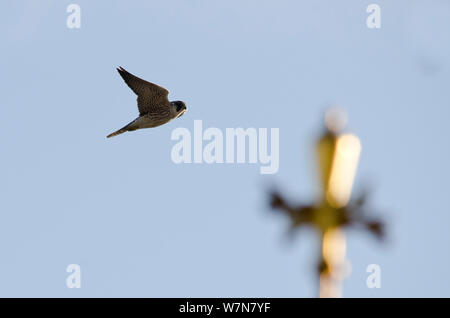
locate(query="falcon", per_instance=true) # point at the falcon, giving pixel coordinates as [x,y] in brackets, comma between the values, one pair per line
[153,104]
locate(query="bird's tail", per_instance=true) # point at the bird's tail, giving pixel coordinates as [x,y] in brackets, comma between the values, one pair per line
[118,132]
[122,130]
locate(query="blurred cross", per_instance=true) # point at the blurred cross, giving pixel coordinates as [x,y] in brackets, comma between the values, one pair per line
[338,156]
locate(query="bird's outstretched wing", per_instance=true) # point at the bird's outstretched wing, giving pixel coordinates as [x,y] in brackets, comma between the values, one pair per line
[151,97]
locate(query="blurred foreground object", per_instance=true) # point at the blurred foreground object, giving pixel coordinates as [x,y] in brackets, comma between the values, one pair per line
[338,157]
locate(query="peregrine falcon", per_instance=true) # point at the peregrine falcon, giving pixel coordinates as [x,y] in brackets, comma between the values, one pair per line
[153,104]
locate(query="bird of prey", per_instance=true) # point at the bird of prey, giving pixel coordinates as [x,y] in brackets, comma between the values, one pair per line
[153,104]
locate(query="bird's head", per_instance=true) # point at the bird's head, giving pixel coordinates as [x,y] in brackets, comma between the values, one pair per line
[178,107]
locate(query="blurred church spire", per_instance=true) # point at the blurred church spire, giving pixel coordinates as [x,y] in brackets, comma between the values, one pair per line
[337,157]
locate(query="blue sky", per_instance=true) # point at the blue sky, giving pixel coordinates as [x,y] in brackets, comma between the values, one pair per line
[140,225]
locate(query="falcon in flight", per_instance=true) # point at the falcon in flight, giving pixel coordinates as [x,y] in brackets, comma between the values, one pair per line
[153,104]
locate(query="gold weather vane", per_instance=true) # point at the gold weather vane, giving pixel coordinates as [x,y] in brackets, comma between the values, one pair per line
[338,156]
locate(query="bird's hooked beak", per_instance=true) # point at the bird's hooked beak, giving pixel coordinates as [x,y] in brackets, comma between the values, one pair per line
[181,113]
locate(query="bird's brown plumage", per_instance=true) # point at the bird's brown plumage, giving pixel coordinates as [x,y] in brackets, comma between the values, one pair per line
[151,97]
